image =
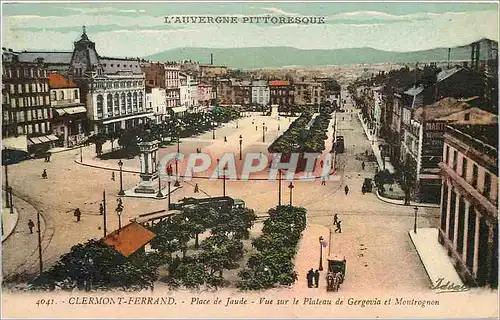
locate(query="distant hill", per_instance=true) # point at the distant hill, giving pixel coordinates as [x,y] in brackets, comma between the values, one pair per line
[269,57]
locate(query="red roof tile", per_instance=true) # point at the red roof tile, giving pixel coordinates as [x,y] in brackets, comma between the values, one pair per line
[129,239]
[279,83]
[58,81]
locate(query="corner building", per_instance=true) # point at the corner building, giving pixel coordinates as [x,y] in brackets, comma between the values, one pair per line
[469,202]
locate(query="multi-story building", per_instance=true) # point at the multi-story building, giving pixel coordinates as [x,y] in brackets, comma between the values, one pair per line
[206,96]
[469,204]
[113,89]
[156,101]
[69,114]
[260,93]
[282,93]
[309,94]
[26,102]
[172,84]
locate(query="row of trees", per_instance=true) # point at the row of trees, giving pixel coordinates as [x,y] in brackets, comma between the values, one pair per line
[302,137]
[95,265]
[169,130]
[273,264]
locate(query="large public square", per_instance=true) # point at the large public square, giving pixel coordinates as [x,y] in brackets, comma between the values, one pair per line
[374,238]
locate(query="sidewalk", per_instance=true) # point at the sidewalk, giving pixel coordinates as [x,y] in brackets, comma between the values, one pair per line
[20,249]
[376,148]
[308,257]
[434,257]
[9,221]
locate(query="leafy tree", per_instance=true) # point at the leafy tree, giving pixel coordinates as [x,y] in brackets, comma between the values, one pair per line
[237,222]
[221,252]
[96,265]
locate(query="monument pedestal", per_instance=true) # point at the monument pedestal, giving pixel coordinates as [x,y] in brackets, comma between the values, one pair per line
[149,174]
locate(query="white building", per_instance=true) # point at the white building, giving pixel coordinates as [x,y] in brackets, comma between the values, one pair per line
[188,91]
[113,88]
[260,93]
[156,101]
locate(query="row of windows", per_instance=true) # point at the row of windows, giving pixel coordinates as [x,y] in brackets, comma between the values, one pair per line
[27,101]
[24,72]
[117,84]
[125,103]
[54,95]
[451,158]
[26,115]
[34,87]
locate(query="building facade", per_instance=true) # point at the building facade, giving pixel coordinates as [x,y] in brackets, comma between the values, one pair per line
[113,89]
[469,205]
[156,101]
[172,85]
[260,93]
[281,93]
[69,114]
[26,102]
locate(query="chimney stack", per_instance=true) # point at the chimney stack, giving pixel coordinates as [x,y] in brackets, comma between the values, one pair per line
[211,59]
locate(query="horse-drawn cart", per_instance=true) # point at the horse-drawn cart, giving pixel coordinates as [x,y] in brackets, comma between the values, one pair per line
[336,272]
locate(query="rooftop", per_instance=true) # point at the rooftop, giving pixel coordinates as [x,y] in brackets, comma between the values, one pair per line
[279,83]
[486,133]
[441,108]
[58,81]
[129,239]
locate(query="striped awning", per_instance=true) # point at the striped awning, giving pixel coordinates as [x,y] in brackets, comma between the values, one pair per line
[71,110]
[42,139]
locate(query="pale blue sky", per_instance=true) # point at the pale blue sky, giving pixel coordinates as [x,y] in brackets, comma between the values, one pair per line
[138,29]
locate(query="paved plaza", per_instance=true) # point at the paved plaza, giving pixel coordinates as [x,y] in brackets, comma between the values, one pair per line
[374,236]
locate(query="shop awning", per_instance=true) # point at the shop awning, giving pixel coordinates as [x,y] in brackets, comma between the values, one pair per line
[71,110]
[178,109]
[42,139]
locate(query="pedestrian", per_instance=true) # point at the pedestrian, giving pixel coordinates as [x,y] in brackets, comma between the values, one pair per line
[112,176]
[256,128]
[196,188]
[335,219]
[77,214]
[316,278]
[339,227]
[363,165]
[310,276]
[346,189]
[321,163]
[101,209]
[31,225]
[225,139]
[44,174]
[49,154]
[323,181]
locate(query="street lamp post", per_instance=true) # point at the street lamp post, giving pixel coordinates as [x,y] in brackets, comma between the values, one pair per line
[263,132]
[7,185]
[120,164]
[291,186]
[119,214]
[320,254]
[415,223]
[168,190]
[176,184]
[279,187]
[241,141]
[159,194]
[81,154]
[237,124]
[11,200]
[213,130]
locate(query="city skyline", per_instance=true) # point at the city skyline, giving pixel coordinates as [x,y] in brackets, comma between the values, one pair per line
[400,27]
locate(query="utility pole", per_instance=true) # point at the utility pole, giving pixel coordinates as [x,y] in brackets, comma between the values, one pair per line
[39,241]
[104,211]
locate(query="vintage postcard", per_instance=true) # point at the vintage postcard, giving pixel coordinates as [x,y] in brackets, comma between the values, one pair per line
[249,159]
